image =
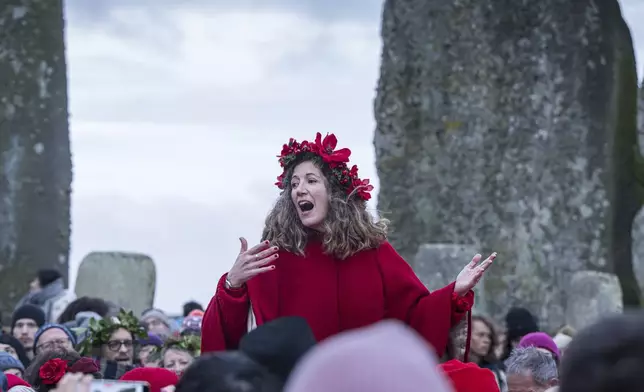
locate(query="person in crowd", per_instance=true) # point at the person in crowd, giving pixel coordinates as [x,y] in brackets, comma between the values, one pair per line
[47,290]
[111,342]
[17,384]
[469,377]
[387,356]
[157,378]
[229,371]
[10,365]
[531,369]
[179,353]
[190,306]
[25,322]
[149,351]
[81,310]
[518,323]
[191,324]
[563,337]
[543,342]
[13,347]
[48,368]
[324,258]
[607,356]
[51,337]
[482,349]
[279,345]
[158,323]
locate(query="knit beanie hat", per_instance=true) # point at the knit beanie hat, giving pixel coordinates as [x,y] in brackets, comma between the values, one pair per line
[540,340]
[151,340]
[21,388]
[469,377]
[158,378]
[191,323]
[7,361]
[47,276]
[30,312]
[15,381]
[158,314]
[520,322]
[9,340]
[47,327]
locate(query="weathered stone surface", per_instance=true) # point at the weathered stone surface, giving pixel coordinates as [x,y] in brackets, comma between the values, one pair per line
[35,160]
[437,265]
[638,223]
[511,126]
[592,295]
[127,279]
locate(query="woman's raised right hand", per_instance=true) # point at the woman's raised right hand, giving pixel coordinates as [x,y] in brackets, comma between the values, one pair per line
[251,262]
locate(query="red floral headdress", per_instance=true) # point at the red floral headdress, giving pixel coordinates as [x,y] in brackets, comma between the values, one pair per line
[52,371]
[336,160]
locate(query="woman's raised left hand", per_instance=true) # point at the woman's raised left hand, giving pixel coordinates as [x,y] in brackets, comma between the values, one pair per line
[472,273]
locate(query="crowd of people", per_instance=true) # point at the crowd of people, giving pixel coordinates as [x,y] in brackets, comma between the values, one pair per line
[322,303]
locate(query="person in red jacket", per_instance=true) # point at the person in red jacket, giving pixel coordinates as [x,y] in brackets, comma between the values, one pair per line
[323,257]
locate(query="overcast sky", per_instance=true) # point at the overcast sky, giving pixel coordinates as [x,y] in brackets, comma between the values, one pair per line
[178,111]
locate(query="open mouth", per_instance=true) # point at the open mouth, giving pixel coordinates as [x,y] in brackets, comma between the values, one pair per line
[305,206]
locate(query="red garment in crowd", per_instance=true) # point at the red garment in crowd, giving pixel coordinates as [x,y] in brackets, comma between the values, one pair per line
[469,377]
[334,296]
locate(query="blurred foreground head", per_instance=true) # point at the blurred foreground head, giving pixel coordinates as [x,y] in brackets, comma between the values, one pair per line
[230,371]
[607,356]
[388,356]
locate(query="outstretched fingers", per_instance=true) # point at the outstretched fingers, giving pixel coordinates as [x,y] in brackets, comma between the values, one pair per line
[258,248]
[487,262]
[475,261]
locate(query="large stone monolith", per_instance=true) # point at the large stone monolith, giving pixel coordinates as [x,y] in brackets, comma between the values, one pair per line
[35,159]
[512,126]
[126,279]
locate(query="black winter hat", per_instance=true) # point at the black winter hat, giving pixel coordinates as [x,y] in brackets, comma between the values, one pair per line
[279,344]
[28,312]
[520,322]
[17,346]
[47,276]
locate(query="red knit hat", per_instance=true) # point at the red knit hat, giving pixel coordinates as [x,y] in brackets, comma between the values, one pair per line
[13,381]
[468,377]
[158,378]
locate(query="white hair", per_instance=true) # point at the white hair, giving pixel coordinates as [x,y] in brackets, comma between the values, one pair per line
[530,360]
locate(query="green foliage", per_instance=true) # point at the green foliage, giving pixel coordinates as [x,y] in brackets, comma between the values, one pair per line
[99,331]
[190,344]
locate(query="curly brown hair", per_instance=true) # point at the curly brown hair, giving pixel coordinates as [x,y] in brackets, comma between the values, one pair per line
[348,228]
[32,375]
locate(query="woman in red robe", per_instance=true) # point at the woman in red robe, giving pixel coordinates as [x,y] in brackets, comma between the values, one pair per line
[323,257]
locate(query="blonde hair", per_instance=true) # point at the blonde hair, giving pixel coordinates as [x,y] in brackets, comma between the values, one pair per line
[348,228]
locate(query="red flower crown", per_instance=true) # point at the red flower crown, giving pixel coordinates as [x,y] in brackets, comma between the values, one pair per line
[52,371]
[336,160]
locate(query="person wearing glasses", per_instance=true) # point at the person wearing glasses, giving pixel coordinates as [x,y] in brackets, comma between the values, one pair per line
[112,342]
[52,337]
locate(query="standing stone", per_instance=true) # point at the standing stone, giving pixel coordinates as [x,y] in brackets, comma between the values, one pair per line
[35,160]
[127,279]
[512,126]
[638,224]
[596,295]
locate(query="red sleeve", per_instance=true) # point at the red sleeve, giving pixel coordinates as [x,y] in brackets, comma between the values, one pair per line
[432,315]
[225,320]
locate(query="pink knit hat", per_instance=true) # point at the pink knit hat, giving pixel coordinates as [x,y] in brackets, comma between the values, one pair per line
[541,340]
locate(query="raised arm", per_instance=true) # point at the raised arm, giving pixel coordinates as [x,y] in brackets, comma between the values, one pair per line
[225,320]
[433,314]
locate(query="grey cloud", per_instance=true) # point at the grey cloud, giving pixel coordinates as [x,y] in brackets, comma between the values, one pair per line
[99,12]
